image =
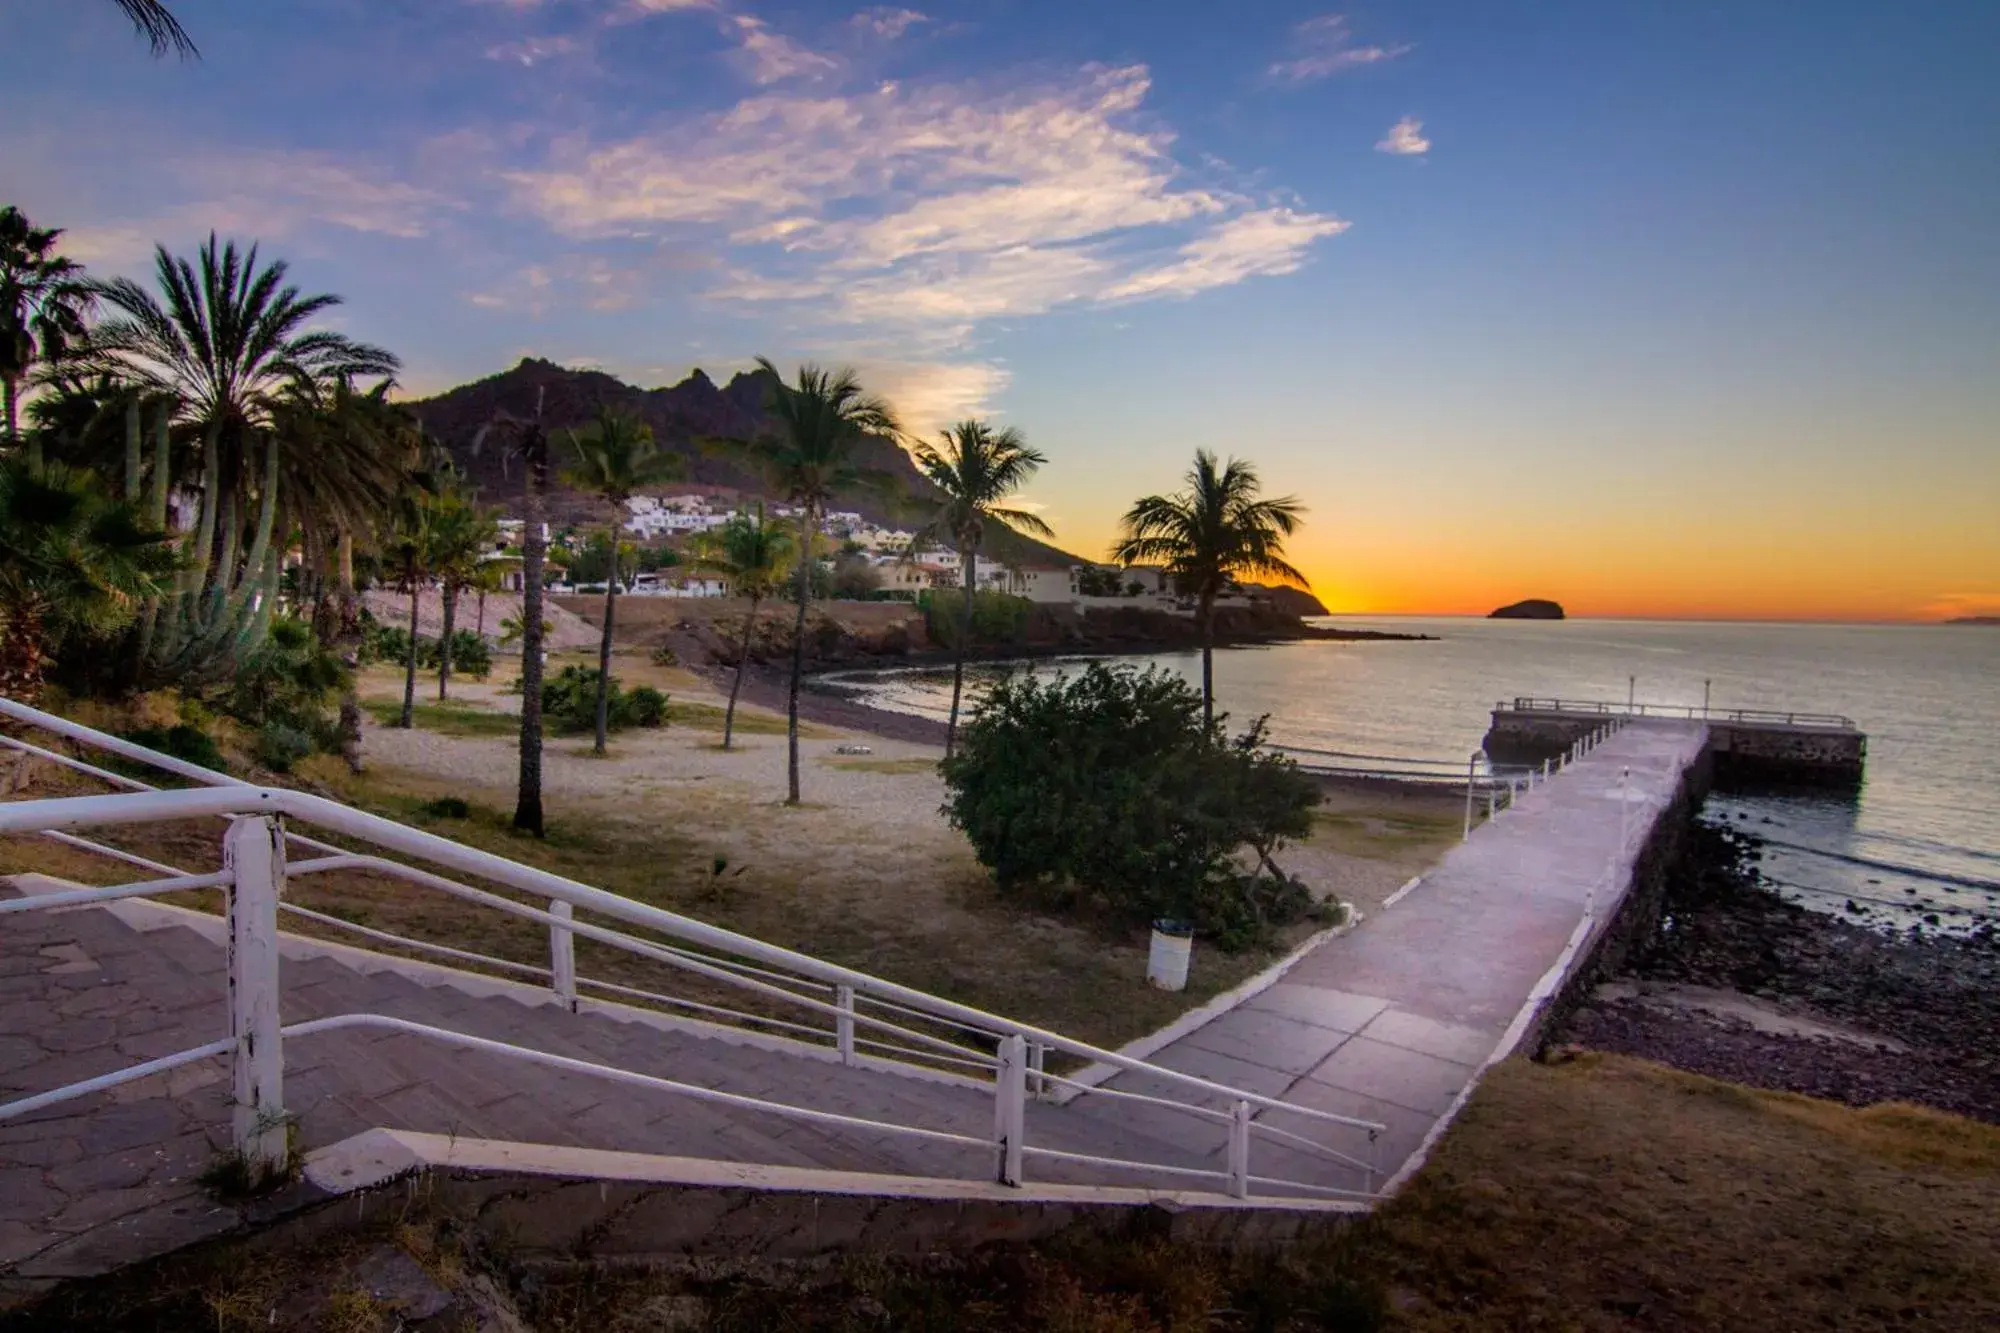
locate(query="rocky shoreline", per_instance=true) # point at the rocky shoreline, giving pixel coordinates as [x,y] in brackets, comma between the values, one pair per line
[1827,1008]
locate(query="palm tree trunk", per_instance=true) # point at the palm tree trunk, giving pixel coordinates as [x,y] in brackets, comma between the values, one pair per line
[534,546]
[971,564]
[132,455]
[604,649]
[481,630]
[742,663]
[1208,659]
[444,639]
[9,391]
[806,526]
[410,666]
[347,644]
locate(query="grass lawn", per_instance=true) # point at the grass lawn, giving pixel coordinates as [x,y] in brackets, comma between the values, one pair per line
[1597,1194]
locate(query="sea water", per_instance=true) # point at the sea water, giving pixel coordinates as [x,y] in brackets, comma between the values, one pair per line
[1920,839]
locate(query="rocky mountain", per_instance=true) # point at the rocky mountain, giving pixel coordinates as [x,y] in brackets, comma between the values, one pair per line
[683,417]
[694,410]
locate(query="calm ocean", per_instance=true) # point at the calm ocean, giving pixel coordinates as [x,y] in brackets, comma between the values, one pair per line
[1922,837]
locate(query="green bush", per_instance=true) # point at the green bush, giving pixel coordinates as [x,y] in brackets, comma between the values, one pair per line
[290,681]
[569,703]
[280,745]
[470,655]
[1106,787]
[645,707]
[997,617]
[446,807]
[182,741]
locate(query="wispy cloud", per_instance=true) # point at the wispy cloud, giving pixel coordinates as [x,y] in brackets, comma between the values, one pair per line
[1263,243]
[1324,46]
[530,51]
[1405,139]
[770,58]
[266,196]
[887,22]
[912,216]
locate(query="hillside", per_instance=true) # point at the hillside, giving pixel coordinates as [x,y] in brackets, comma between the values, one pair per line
[694,410]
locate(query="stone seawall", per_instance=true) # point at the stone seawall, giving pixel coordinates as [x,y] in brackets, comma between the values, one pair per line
[1742,751]
[1635,921]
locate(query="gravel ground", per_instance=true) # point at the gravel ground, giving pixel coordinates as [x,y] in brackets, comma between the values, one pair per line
[1936,996]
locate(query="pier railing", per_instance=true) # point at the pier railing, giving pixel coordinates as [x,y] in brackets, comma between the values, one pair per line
[1697,712]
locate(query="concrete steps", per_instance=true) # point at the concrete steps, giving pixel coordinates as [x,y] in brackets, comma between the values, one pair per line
[169,980]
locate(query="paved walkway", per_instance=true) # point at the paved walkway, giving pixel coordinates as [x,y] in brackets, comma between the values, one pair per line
[1391,1022]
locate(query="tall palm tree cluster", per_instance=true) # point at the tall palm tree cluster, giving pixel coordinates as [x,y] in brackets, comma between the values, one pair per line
[168,449]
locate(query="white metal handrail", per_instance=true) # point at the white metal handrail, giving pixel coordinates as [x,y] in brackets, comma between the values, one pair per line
[1020,1051]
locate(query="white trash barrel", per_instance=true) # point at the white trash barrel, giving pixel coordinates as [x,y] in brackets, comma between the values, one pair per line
[1167,964]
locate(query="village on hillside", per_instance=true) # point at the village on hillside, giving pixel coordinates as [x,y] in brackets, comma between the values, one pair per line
[865,561]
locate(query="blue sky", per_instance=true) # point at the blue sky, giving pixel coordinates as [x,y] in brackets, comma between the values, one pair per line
[1679,308]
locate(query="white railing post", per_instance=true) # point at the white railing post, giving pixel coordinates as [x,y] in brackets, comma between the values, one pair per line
[253,852]
[1010,1106]
[1471,775]
[562,954]
[1624,811]
[1038,1063]
[1239,1150]
[843,1023]
[1492,802]
[1547,769]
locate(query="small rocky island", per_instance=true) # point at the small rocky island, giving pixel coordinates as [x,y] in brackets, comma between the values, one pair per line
[1974,620]
[1534,608]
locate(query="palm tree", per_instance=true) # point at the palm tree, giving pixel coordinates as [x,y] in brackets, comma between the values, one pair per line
[527,439]
[461,532]
[350,451]
[487,577]
[615,458]
[162,31]
[71,558]
[754,557]
[822,420]
[43,300]
[233,344]
[1208,534]
[976,470]
[409,554]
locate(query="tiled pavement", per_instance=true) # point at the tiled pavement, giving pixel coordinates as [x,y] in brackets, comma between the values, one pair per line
[1389,1022]
[1392,1021]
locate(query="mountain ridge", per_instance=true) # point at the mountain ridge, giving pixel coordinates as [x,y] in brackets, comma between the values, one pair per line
[682,417]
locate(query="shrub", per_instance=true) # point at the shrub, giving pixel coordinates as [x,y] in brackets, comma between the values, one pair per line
[666,656]
[446,807]
[291,681]
[1106,786]
[470,654]
[280,745]
[997,617]
[645,707]
[569,703]
[182,741]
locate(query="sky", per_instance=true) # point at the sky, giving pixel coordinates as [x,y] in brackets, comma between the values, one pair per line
[1668,309]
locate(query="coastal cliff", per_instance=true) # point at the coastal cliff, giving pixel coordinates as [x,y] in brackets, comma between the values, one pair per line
[706,631]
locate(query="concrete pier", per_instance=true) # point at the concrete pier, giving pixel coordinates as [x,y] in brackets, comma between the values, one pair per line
[1397,1020]
[1747,744]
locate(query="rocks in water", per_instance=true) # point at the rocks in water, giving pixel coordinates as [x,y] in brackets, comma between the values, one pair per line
[1533,608]
[1935,994]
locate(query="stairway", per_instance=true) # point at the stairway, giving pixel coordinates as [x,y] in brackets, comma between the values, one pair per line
[84,993]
